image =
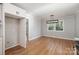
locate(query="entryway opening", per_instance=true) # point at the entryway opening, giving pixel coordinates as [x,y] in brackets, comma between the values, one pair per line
[16,31]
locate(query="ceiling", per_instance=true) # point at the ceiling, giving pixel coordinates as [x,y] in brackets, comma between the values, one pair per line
[58,9]
[30,7]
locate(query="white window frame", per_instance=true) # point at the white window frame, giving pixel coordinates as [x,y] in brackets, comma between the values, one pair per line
[55,27]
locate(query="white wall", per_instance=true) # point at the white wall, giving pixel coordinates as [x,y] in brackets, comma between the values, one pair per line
[1,22]
[34,27]
[22,33]
[77,24]
[38,27]
[1,32]
[69,28]
[11,32]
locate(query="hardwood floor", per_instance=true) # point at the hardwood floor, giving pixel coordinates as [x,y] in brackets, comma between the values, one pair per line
[44,46]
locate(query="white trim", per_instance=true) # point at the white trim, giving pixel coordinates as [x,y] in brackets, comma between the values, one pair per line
[76,39]
[55,28]
[59,37]
[11,47]
[3,37]
[35,37]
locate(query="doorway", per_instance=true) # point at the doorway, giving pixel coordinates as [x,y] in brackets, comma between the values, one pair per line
[16,31]
[11,32]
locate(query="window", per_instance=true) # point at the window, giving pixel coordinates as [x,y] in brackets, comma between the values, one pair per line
[55,25]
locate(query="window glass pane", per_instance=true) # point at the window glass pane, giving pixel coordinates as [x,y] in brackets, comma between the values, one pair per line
[50,26]
[59,26]
[55,25]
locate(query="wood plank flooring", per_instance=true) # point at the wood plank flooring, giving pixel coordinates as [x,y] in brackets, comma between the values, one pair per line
[44,46]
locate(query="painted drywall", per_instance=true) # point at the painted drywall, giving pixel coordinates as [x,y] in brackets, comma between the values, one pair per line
[34,27]
[11,32]
[1,30]
[0,45]
[1,20]
[77,24]
[69,28]
[22,32]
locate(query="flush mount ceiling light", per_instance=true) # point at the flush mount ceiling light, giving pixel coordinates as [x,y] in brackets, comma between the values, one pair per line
[52,17]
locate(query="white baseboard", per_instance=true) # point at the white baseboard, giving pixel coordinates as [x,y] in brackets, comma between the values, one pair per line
[59,37]
[34,38]
[10,47]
